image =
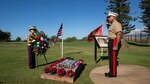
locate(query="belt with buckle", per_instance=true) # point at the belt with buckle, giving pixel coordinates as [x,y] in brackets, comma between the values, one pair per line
[111,38]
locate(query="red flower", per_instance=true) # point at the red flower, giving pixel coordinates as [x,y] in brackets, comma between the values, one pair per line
[46,69]
[51,65]
[61,72]
[70,73]
[52,70]
[37,37]
[42,43]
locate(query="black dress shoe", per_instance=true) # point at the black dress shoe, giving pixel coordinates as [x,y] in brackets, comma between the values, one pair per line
[108,75]
[117,63]
[32,67]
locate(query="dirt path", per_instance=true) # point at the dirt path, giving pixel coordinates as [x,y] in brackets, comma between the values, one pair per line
[127,74]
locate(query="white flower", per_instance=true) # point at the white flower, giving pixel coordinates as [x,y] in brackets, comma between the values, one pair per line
[38,42]
[42,39]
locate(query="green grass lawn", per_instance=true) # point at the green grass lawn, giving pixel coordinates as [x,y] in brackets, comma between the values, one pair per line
[14,68]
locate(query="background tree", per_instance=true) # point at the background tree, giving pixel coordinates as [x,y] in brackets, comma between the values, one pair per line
[84,39]
[145,14]
[5,36]
[18,39]
[70,39]
[122,7]
[24,40]
[52,38]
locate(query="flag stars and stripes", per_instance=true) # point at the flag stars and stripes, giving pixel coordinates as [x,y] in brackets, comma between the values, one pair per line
[60,31]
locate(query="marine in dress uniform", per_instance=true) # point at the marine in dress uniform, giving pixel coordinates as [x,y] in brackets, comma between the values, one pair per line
[31,55]
[114,43]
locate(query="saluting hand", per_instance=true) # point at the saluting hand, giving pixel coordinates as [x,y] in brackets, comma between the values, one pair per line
[107,22]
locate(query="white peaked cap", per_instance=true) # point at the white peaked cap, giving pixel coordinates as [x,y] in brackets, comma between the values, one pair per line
[32,27]
[112,14]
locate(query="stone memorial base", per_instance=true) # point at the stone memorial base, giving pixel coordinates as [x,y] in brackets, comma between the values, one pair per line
[57,78]
[76,69]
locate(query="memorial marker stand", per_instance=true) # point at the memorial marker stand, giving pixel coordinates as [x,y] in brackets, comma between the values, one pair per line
[100,42]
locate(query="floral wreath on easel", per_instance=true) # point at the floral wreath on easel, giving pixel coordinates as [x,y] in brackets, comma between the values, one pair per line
[40,43]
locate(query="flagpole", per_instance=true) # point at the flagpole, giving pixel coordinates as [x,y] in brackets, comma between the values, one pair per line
[62,42]
[62,47]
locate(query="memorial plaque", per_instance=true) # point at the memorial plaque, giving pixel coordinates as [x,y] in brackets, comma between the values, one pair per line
[102,41]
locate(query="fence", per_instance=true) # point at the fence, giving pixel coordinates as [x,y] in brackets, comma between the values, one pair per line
[138,37]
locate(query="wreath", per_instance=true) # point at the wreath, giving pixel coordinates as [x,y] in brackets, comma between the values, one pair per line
[40,42]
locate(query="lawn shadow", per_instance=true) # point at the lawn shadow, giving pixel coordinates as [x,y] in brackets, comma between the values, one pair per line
[1,82]
[75,52]
[46,63]
[79,70]
[102,58]
[138,44]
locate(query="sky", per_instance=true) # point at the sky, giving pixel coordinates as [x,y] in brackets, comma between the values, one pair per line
[79,17]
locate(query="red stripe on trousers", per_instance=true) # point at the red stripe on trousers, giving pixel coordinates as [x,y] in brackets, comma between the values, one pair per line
[114,59]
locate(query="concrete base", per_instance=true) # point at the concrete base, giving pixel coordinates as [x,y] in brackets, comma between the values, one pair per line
[127,74]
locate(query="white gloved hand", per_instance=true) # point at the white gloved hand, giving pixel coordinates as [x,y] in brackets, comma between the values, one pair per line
[33,41]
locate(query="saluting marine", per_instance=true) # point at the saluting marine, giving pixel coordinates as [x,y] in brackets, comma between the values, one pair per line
[114,43]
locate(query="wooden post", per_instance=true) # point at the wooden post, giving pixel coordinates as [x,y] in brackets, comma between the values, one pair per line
[95,51]
[102,50]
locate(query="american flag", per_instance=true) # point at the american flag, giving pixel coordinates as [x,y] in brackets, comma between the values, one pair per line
[60,32]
